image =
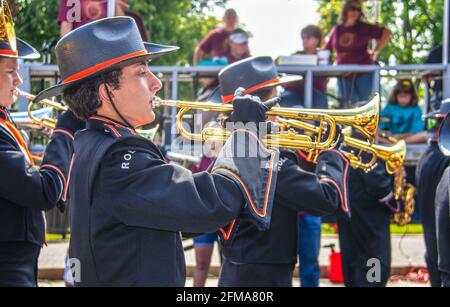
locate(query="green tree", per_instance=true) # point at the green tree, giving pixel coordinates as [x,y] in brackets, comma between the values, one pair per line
[178,22]
[416,25]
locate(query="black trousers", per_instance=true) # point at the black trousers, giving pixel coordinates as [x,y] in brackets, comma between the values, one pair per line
[18,264]
[255,275]
[443,241]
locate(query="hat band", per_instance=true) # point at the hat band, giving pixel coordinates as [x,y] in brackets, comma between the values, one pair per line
[9,52]
[229,98]
[87,72]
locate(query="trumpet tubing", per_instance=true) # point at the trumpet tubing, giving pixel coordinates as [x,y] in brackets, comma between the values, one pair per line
[364,119]
[45,122]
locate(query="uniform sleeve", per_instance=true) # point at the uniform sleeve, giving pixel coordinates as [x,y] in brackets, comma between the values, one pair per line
[300,190]
[206,44]
[378,182]
[417,124]
[140,190]
[23,184]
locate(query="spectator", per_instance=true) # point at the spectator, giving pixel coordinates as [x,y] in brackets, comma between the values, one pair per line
[122,9]
[294,92]
[402,117]
[350,41]
[216,41]
[74,15]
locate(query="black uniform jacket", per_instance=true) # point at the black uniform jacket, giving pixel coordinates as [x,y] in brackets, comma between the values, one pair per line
[319,193]
[26,191]
[128,206]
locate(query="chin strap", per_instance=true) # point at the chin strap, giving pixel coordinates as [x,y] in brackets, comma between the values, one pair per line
[114,106]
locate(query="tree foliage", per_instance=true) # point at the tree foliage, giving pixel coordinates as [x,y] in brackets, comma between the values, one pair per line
[416,25]
[180,22]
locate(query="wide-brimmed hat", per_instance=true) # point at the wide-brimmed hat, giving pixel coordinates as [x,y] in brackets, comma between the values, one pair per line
[10,46]
[99,47]
[253,74]
[442,112]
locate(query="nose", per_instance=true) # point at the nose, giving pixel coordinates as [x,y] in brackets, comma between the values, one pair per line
[17,79]
[155,83]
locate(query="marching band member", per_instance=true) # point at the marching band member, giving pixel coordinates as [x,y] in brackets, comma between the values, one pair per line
[442,204]
[128,206]
[429,171]
[266,258]
[366,234]
[25,191]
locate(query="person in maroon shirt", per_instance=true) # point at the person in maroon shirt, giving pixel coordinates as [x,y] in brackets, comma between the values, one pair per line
[73,15]
[350,41]
[215,43]
[294,92]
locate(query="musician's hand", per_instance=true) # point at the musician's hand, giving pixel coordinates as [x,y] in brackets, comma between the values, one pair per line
[338,138]
[247,108]
[68,121]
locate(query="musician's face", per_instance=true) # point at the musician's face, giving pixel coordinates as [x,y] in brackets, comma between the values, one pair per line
[138,86]
[9,80]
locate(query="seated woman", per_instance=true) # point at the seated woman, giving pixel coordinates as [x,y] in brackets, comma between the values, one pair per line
[402,117]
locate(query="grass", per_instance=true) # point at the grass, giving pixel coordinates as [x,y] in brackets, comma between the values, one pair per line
[395,229]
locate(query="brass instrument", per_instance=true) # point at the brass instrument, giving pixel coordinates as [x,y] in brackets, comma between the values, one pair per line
[7,32]
[393,155]
[44,122]
[403,192]
[364,119]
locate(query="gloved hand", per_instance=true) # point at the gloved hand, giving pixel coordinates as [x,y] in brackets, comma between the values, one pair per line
[247,108]
[338,138]
[68,121]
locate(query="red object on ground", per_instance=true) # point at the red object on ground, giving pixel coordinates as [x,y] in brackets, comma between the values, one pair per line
[335,275]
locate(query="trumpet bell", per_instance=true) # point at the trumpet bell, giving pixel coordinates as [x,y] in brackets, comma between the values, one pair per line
[7,32]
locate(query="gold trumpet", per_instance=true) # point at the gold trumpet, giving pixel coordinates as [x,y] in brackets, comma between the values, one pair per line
[393,155]
[364,119]
[44,122]
[403,191]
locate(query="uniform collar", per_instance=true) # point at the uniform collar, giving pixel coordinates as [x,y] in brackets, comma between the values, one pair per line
[3,114]
[99,122]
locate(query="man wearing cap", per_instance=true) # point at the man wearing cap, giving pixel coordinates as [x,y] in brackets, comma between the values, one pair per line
[128,206]
[254,257]
[215,43]
[429,171]
[25,191]
[442,204]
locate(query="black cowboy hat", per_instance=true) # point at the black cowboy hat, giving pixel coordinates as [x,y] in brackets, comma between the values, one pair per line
[442,112]
[253,74]
[98,47]
[10,46]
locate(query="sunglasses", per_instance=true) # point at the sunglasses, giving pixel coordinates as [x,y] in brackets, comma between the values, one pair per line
[355,8]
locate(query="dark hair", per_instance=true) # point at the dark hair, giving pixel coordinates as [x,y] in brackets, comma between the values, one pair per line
[83,98]
[313,31]
[229,12]
[348,4]
[404,86]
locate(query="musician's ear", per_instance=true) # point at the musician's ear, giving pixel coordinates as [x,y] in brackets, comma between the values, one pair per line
[103,93]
